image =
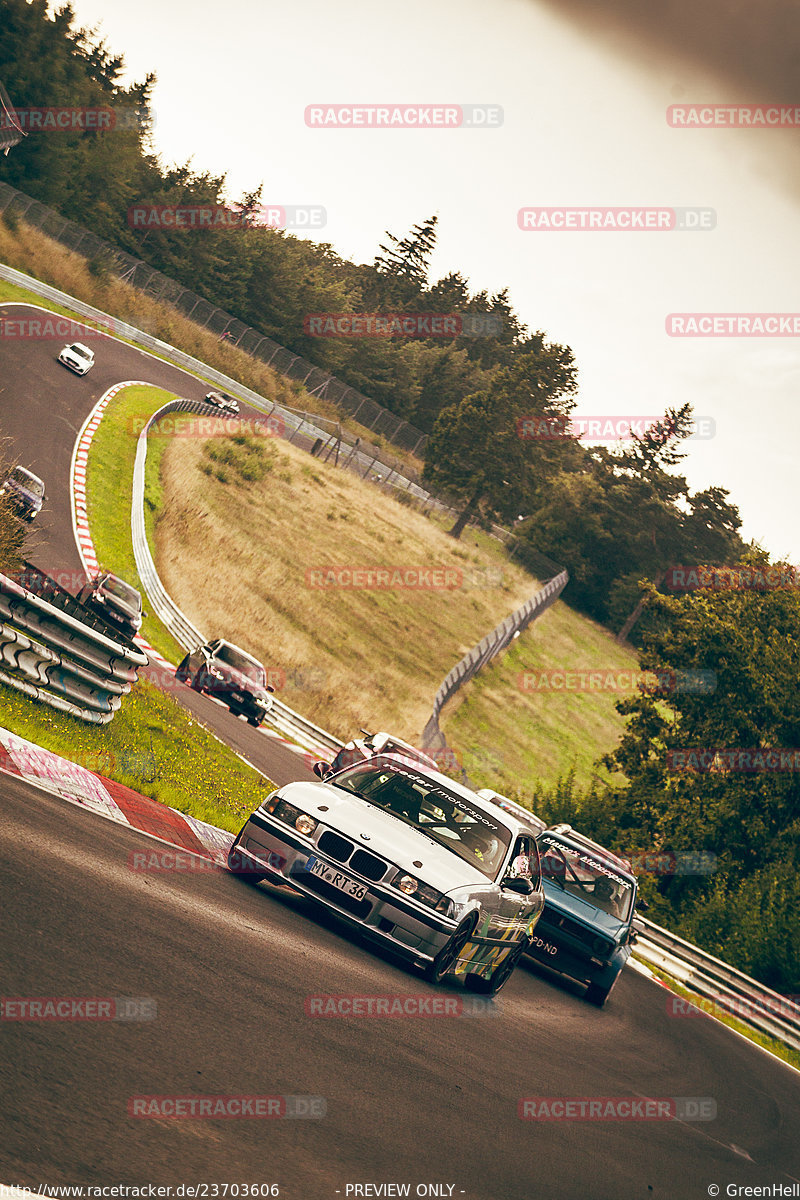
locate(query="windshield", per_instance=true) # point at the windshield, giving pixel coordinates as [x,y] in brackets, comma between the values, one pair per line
[28,481]
[446,818]
[585,876]
[81,351]
[242,663]
[122,591]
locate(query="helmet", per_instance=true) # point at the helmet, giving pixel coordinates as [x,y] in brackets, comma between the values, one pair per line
[603,888]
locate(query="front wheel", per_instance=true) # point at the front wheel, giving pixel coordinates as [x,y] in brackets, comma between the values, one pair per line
[597,995]
[499,978]
[449,953]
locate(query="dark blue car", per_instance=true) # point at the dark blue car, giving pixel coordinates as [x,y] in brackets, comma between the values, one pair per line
[25,491]
[587,927]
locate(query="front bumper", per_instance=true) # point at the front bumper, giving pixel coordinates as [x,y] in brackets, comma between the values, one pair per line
[413,930]
[551,949]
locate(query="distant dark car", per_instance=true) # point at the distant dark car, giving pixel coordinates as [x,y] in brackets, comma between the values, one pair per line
[230,675]
[115,601]
[25,491]
[588,924]
[222,400]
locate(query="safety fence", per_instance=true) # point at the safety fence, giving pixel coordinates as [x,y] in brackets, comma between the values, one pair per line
[55,651]
[487,649]
[369,414]
[725,990]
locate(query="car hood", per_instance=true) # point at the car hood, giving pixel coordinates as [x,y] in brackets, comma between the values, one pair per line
[121,606]
[237,679]
[389,837]
[565,904]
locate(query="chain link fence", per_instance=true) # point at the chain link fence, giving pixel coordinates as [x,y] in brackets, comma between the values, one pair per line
[368,413]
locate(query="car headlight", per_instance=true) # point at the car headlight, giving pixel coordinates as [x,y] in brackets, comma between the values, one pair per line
[279,808]
[213,671]
[410,886]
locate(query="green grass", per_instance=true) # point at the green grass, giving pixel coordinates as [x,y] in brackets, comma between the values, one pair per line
[516,740]
[774,1045]
[109,485]
[153,746]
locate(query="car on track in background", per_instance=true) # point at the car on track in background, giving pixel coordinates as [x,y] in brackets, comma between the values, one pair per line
[25,491]
[409,858]
[77,357]
[111,598]
[524,815]
[588,924]
[222,400]
[360,749]
[230,675]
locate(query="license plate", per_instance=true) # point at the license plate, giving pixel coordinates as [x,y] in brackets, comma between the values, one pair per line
[545,947]
[336,879]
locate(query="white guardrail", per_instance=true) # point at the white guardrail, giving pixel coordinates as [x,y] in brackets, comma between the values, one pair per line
[724,987]
[726,990]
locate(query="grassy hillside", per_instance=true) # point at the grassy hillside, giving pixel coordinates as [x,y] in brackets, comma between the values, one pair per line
[243,524]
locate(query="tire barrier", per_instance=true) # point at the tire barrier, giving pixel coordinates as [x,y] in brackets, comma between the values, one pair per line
[57,652]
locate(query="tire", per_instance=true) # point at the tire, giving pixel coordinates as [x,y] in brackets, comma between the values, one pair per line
[598,995]
[254,721]
[499,978]
[235,866]
[196,682]
[447,956]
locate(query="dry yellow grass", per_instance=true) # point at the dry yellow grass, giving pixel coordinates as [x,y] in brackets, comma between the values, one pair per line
[235,558]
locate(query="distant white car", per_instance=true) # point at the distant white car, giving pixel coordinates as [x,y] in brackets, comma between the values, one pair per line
[77,357]
[360,749]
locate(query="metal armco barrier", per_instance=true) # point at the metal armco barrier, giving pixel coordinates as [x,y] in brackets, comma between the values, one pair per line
[56,651]
[487,649]
[185,633]
[731,991]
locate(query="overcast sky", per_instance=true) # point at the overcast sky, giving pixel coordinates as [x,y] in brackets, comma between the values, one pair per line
[584,124]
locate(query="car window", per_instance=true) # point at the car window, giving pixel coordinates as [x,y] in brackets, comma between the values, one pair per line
[123,591]
[447,818]
[525,861]
[242,662]
[583,875]
[29,482]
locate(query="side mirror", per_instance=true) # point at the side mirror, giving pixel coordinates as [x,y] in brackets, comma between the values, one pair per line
[519,884]
[321,769]
[270,688]
[642,903]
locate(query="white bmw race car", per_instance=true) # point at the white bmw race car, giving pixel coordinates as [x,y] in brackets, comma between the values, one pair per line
[408,857]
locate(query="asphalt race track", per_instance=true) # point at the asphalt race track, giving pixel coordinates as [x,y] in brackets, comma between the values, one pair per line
[42,408]
[227,969]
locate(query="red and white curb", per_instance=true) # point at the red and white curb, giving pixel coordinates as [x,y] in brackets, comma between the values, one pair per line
[114,801]
[80,516]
